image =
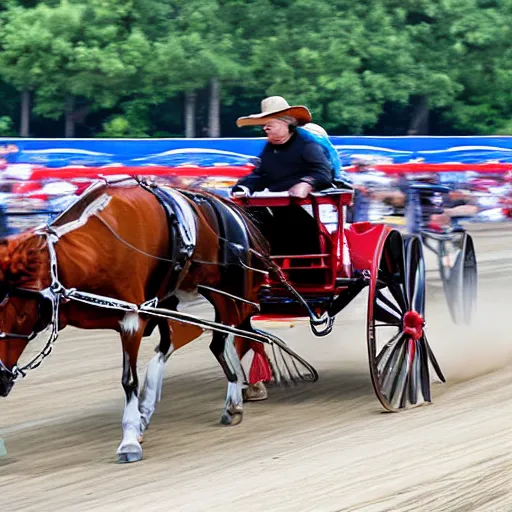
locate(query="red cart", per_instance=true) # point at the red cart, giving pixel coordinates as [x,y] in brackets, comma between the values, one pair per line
[346,259]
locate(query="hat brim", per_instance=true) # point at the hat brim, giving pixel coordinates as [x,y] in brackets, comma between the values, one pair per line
[301,114]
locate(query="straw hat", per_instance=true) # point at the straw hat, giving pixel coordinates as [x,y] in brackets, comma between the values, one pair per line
[273,107]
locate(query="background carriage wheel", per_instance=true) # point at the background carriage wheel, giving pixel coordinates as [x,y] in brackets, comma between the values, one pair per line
[459,275]
[399,354]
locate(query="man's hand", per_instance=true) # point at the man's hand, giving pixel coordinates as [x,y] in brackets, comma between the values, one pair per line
[300,190]
[240,191]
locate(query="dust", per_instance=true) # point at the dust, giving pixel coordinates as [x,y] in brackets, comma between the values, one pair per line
[468,351]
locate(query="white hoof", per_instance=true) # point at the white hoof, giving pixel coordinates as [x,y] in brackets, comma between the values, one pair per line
[129,452]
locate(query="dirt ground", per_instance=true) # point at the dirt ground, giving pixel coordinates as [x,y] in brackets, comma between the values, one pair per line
[326,446]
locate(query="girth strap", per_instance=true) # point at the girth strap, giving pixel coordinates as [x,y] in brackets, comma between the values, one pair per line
[182,230]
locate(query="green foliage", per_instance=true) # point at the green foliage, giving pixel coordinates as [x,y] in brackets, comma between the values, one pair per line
[120,127]
[6,127]
[351,63]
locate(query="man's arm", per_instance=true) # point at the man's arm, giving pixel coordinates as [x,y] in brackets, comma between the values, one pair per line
[319,174]
[255,181]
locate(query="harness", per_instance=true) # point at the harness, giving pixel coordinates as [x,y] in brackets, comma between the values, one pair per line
[183,233]
[182,230]
[234,239]
[49,300]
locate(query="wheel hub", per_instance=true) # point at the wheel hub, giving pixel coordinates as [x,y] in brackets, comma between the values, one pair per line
[413,324]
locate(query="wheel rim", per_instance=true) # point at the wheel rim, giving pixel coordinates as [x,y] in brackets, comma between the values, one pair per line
[470,280]
[399,353]
[457,266]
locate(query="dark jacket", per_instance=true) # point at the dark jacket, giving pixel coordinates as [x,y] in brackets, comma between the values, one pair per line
[284,165]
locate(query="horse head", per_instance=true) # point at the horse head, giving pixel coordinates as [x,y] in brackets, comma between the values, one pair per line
[23,272]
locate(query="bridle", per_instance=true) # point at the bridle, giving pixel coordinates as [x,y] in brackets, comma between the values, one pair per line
[49,299]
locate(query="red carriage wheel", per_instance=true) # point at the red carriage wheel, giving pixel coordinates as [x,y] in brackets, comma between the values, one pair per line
[398,350]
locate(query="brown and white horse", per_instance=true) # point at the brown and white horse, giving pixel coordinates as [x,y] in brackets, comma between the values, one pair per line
[117,242]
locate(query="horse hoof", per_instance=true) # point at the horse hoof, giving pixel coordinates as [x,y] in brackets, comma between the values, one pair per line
[130,452]
[232,418]
[125,458]
[255,392]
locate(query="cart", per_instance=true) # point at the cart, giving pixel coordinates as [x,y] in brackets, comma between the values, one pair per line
[318,281]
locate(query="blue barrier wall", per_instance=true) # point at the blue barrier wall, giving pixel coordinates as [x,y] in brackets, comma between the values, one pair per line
[233,151]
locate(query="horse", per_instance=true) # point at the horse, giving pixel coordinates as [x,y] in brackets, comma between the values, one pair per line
[125,244]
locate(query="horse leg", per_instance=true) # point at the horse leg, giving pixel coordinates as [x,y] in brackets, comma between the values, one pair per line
[223,349]
[152,388]
[130,449]
[173,336]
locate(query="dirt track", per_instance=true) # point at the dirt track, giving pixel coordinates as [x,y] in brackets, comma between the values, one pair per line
[326,446]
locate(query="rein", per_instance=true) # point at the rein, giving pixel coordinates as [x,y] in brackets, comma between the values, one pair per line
[56,293]
[168,260]
[315,320]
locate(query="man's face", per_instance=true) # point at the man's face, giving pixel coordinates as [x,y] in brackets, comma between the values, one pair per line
[277,131]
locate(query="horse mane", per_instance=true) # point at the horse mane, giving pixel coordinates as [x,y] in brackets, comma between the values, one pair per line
[21,257]
[75,210]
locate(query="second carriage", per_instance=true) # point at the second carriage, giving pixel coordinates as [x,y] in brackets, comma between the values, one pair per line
[450,243]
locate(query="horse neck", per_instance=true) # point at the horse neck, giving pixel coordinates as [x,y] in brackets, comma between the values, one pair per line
[79,209]
[74,266]
[105,235]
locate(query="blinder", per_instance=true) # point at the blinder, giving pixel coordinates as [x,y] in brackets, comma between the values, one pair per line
[45,308]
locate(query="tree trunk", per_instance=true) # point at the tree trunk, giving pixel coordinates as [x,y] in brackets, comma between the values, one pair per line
[190,114]
[25,114]
[214,112]
[69,131]
[419,118]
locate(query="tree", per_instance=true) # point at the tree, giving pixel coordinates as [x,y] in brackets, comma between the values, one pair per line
[382,66]
[6,126]
[483,67]
[333,57]
[21,57]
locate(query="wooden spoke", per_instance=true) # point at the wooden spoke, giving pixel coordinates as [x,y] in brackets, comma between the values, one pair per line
[399,351]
